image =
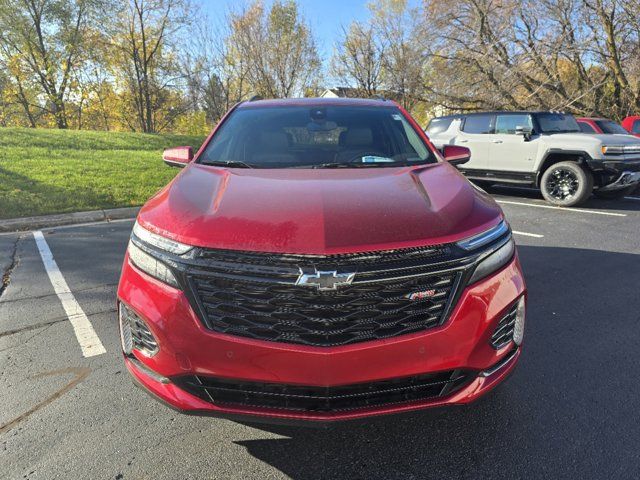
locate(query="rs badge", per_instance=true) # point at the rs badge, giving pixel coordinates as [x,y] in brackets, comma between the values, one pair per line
[421,295]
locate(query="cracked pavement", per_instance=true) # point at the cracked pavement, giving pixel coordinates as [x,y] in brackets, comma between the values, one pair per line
[8,259]
[571,409]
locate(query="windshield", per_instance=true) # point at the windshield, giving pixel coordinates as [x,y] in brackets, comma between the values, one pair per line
[557,123]
[439,125]
[316,137]
[609,126]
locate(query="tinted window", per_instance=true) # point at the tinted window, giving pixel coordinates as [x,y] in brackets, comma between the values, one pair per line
[329,136]
[609,126]
[636,126]
[557,123]
[586,128]
[438,125]
[508,123]
[477,124]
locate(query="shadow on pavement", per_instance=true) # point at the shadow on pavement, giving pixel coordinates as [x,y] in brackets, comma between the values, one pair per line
[570,410]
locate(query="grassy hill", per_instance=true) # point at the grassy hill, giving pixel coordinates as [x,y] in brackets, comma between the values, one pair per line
[55,171]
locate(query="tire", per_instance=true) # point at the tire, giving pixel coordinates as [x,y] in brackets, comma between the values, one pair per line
[615,194]
[566,184]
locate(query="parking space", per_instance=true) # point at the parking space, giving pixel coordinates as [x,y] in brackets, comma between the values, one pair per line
[570,410]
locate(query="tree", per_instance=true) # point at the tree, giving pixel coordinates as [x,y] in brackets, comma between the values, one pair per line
[45,38]
[576,55]
[217,76]
[358,59]
[277,48]
[405,59]
[144,63]
[385,55]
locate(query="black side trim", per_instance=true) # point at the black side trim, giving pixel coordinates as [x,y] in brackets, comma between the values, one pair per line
[500,176]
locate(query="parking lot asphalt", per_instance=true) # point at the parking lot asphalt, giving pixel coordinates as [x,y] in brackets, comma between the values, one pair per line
[570,410]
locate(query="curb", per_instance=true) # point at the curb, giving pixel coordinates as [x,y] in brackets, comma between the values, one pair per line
[35,223]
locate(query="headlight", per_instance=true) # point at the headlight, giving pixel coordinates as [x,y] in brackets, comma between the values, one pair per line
[612,149]
[494,261]
[484,238]
[150,265]
[158,241]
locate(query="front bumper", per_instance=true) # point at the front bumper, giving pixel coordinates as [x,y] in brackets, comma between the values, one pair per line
[187,348]
[626,179]
[617,173]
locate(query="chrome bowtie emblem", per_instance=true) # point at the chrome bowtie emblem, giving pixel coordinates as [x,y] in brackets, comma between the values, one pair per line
[326,280]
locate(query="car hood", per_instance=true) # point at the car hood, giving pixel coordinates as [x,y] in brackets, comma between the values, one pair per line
[591,139]
[321,211]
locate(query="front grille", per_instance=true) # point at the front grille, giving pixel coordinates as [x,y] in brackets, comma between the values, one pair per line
[324,399]
[255,295]
[503,334]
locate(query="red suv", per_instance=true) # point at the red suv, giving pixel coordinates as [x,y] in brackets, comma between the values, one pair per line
[632,125]
[600,125]
[319,260]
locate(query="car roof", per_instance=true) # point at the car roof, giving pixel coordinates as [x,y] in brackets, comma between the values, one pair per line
[315,102]
[494,112]
[594,119]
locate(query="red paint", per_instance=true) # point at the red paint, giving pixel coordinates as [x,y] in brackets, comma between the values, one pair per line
[456,154]
[591,122]
[628,123]
[319,211]
[462,342]
[178,155]
[322,211]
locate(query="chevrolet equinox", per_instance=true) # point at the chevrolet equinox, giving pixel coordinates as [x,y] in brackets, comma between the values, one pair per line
[319,260]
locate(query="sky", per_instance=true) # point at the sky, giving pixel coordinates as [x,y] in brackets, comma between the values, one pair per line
[325,16]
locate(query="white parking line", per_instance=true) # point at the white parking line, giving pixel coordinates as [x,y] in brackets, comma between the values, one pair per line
[632,198]
[564,209]
[86,335]
[534,235]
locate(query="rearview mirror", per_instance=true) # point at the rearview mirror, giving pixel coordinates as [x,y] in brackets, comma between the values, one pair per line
[456,155]
[177,156]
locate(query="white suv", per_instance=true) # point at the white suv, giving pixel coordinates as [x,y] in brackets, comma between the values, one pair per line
[542,149]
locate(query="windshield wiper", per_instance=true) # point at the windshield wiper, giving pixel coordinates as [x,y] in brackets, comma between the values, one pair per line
[352,164]
[342,165]
[228,163]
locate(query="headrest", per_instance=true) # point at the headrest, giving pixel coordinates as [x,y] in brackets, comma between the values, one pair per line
[356,137]
[274,140]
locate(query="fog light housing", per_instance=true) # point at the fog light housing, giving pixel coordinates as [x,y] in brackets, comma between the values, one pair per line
[135,334]
[125,330]
[510,328]
[518,327]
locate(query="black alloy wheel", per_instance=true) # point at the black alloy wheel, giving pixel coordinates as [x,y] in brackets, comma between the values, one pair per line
[566,184]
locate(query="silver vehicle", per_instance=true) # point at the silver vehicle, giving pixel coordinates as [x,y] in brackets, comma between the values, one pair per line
[542,149]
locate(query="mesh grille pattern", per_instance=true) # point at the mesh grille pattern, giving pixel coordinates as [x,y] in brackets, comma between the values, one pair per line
[504,331]
[302,315]
[324,399]
[256,296]
[136,333]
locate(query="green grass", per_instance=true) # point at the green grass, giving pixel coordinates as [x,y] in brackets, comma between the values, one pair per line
[56,171]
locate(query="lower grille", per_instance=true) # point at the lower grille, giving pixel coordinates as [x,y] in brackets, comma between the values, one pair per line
[325,399]
[503,334]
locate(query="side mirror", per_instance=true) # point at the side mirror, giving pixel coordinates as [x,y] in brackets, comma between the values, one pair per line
[177,156]
[524,131]
[456,155]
